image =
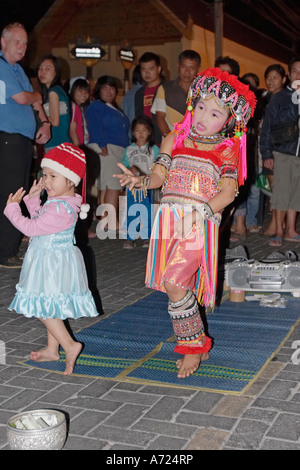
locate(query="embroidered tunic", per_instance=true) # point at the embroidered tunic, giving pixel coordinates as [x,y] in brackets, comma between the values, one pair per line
[194,177]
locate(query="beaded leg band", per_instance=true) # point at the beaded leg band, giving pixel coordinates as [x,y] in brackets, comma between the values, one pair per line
[188,326]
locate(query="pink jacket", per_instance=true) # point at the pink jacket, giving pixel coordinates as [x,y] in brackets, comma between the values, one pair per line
[45,220]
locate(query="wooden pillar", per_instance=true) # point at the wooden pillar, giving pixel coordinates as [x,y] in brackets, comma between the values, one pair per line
[218,28]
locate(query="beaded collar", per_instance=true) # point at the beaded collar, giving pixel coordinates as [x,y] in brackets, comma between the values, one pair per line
[205,139]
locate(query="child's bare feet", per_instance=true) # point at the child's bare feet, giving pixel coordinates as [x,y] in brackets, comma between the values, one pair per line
[45,355]
[189,364]
[71,356]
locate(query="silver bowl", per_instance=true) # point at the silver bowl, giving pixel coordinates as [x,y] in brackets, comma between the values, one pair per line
[51,436]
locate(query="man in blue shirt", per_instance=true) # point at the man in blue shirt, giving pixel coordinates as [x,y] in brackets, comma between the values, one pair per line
[17,132]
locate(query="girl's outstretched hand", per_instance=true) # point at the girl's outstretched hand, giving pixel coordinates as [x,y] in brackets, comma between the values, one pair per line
[17,197]
[127,177]
[35,189]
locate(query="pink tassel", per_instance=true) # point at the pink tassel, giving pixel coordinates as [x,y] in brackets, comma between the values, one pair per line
[209,265]
[182,129]
[243,158]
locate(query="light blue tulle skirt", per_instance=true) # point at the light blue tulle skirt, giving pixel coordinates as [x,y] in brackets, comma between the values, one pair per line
[53,281]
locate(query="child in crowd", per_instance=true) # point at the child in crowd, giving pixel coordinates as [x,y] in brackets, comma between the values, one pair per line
[79,95]
[53,283]
[139,158]
[198,166]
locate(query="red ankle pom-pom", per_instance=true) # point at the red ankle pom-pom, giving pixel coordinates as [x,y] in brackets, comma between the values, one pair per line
[184,349]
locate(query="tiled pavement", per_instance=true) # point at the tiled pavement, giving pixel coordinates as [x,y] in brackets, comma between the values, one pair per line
[108,415]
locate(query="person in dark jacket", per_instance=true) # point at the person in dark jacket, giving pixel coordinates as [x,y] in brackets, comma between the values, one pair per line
[280,150]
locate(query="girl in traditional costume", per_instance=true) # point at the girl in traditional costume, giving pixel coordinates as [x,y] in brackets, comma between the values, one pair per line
[200,166]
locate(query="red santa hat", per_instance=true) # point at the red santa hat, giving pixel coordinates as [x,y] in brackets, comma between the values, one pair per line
[69,161]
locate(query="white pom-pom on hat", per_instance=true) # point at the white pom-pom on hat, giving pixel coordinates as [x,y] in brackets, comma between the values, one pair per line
[84,209]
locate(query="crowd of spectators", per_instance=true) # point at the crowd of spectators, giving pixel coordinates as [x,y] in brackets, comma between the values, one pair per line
[94,121]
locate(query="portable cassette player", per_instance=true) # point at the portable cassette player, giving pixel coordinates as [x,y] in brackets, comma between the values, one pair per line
[254,275]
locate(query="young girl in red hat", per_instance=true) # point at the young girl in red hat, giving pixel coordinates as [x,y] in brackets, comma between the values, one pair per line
[53,284]
[200,165]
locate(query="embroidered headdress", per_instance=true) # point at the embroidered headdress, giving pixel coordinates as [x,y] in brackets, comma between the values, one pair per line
[229,92]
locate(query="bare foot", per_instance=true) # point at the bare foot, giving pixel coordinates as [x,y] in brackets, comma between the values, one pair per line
[189,364]
[270,231]
[45,355]
[71,357]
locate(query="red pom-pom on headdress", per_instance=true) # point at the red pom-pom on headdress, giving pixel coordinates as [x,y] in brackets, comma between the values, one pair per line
[240,88]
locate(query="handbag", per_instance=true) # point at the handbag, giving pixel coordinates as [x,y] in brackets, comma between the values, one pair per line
[263,184]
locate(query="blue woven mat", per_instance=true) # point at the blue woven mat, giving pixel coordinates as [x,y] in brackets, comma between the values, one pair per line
[136,344]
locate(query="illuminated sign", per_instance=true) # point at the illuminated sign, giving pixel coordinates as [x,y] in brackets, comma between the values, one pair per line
[88,51]
[126,54]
